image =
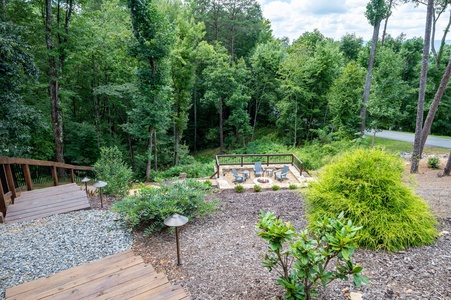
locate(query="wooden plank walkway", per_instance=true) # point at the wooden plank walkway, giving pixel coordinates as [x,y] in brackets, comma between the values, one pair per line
[46,202]
[119,276]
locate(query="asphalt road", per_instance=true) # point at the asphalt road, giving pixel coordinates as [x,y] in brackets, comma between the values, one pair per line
[409,137]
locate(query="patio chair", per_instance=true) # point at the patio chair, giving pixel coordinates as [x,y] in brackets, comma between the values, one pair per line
[283,173]
[238,178]
[258,169]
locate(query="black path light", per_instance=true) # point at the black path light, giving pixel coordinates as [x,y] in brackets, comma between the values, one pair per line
[176,221]
[86,180]
[100,184]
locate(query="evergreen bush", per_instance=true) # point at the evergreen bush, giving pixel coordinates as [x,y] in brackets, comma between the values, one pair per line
[434,162]
[113,170]
[367,186]
[257,188]
[239,188]
[275,187]
[151,206]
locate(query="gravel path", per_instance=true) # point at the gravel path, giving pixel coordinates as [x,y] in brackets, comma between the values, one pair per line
[34,249]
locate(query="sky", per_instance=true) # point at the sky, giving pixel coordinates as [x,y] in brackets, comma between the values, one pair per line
[335,18]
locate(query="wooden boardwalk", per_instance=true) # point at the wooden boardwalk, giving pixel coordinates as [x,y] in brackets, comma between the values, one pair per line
[120,276]
[46,202]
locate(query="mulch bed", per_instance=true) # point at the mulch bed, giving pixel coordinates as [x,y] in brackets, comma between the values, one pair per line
[221,253]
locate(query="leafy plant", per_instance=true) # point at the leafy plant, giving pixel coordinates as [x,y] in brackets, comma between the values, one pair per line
[239,188]
[433,162]
[292,186]
[113,170]
[257,188]
[306,261]
[151,206]
[367,185]
[275,187]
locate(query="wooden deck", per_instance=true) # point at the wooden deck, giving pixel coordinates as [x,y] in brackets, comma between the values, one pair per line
[120,276]
[46,202]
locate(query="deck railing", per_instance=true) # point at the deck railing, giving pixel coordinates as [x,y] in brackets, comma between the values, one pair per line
[266,159]
[18,174]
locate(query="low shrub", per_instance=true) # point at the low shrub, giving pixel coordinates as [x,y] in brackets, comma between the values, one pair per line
[114,171]
[275,187]
[292,186]
[306,261]
[433,162]
[151,206]
[239,188]
[195,170]
[257,188]
[367,186]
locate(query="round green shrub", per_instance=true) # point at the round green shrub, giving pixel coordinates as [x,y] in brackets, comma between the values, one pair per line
[257,188]
[275,187]
[292,186]
[367,186]
[434,162]
[239,188]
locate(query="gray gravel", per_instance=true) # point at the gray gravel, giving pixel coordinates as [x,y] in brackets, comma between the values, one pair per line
[34,249]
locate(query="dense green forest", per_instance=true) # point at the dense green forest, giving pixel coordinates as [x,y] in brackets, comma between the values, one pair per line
[162,79]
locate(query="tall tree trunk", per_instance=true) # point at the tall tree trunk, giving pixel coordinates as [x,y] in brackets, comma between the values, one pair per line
[434,105]
[416,155]
[447,169]
[195,117]
[3,11]
[149,154]
[130,150]
[257,106]
[155,158]
[221,129]
[55,101]
[443,42]
[176,134]
[367,88]
[295,123]
[385,24]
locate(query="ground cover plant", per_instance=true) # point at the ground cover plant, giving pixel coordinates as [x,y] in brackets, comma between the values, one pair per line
[367,186]
[151,206]
[307,260]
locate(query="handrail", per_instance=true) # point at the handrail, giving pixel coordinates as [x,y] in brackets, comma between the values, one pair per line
[9,182]
[247,159]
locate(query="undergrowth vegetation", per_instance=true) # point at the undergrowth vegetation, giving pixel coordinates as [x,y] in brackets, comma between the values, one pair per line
[367,186]
[151,206]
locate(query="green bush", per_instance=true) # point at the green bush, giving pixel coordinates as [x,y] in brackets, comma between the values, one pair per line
[304,257]
[239,188]
[275,187]
[367,186]
[195,170]
[114,171]
[434,162]
[151,206]
[292,186]
[257,188]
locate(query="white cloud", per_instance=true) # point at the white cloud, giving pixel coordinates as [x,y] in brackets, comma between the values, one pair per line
[335,18]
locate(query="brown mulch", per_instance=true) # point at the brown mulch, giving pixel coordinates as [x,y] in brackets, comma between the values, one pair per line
[221,253]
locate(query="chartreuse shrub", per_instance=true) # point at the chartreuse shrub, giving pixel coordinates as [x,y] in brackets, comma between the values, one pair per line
[151,206]
[367,186]
[113,170]
[307,260]
[434,162]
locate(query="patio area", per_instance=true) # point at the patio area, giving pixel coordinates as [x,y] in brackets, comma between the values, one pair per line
[226,178]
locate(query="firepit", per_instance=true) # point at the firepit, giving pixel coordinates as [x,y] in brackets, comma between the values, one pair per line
[262,180]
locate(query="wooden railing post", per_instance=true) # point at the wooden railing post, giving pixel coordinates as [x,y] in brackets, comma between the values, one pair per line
[10,180]
[26,173]
[2,203]
[72,176]
[54,176]
[242,159]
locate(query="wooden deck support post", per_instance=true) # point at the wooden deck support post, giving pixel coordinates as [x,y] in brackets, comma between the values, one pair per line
[28,181]
[10,180]
[54,176]
[72,176]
